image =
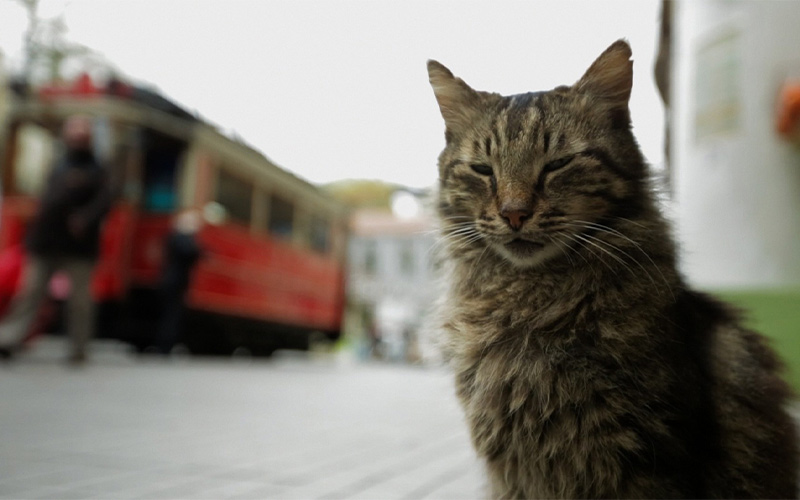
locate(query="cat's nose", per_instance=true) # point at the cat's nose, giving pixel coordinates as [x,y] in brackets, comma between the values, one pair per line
[515,216]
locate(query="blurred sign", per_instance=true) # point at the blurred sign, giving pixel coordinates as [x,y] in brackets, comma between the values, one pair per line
[718,86]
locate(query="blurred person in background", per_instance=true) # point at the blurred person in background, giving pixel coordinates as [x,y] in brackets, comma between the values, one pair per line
[181,253]
[63,235]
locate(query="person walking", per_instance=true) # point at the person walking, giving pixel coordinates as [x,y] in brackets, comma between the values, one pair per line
[64,234]
[181,253]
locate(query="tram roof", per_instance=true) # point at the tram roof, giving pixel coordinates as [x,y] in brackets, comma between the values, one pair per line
[138,105]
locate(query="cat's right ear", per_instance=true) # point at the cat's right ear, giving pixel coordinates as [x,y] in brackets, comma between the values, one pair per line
[610,77]
[456,99]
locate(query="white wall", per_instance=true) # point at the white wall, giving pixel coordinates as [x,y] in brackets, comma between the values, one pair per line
[737,191]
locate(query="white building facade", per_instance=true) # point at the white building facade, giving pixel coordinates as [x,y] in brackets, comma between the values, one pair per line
[736,180]
[391,282]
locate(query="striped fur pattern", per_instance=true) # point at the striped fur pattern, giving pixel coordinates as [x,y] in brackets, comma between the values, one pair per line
[585,365]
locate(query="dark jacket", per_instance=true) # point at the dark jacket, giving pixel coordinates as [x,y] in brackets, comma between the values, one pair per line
[181,253]
[72,208]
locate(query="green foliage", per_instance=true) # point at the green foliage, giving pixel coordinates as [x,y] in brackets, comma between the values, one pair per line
[362,193]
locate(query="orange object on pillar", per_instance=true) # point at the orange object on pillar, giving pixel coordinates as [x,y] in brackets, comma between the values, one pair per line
[789,109]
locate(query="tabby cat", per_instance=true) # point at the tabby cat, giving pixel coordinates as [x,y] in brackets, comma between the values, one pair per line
[585,365]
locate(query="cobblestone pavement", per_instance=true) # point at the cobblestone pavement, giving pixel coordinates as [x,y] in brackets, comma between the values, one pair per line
[293,427]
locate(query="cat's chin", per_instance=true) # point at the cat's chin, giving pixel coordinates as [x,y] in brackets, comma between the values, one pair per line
[526,254]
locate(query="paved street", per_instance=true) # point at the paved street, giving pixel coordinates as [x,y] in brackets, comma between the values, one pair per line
[296,426]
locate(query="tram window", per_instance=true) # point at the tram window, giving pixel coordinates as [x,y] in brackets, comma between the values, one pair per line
[159,180]
[34,158]
[281,217]
[320,234]
[236,195]
[162,157]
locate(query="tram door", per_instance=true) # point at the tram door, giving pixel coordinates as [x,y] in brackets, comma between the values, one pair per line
[160,159]
[158,169]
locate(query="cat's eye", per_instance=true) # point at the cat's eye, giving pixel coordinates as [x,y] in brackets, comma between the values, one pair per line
[556,164]
[482,169]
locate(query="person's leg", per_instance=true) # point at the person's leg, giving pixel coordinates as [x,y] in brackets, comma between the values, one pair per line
[23,307]
[170,323]
[80,307]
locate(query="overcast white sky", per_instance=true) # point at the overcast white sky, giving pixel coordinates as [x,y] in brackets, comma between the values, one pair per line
[336,89]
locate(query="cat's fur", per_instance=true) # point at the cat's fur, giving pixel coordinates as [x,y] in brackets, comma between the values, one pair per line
[585,365]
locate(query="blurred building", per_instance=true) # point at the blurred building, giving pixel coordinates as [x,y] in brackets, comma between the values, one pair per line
[390,285]
[736,180]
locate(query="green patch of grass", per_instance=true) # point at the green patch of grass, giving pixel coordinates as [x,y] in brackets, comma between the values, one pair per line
[776,314]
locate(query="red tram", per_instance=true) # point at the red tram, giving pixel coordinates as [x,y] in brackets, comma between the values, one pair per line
[273,270]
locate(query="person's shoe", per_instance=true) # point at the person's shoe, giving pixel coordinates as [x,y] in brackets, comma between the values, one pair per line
[77,359]
[7,353]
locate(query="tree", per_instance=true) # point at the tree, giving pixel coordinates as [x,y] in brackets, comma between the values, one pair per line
[47,47]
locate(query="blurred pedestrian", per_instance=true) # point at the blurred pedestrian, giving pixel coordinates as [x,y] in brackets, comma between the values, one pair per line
[181,253]
[64,235]
[375,339]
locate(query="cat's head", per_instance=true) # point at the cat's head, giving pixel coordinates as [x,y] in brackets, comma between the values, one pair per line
[528,175]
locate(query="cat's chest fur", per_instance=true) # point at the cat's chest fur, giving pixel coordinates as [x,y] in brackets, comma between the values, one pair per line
[542,386]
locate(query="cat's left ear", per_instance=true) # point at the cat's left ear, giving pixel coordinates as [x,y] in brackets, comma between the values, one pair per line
[610,77]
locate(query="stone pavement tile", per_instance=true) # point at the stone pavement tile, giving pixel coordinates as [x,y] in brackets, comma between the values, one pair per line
[369,476]
[329,465]
[377,464]
[66,475]
[16,469]
[196,488]
[465,488]
[102,489]
[79,493]
[17,488]
[132,484]
[469,482]
[261,493]
[415,482]
[246,489]
[115,460]
[248,473]
[42,493]
[323,455]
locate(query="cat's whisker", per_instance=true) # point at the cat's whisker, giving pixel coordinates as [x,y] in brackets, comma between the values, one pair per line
[457,217]
[584,242]
[472,239]
[564,248]
[631,221]
[607,229]
[453,233]
[567,247]
[610,249]
[613,247]
[560,244]
[581,244]
[442,242]
[462,238]
[616,248]
[475,265]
